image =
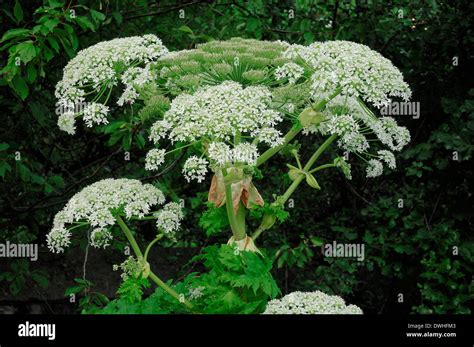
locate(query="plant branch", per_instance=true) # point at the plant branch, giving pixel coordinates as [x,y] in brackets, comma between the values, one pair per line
[139,254]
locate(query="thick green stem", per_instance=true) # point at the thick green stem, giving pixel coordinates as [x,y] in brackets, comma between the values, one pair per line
[274,150]
[321,167]
[319,151]
[147,250]
[307,167]
[139,254]
[295,130]
[169,290]
[130,238]
[236,221]
[291,189]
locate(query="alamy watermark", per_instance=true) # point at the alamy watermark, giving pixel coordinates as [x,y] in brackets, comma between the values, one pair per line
[19,250]
[344,250]
[28,329]
[408,108]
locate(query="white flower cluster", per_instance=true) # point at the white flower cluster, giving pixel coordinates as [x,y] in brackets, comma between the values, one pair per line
[310,303]
[196,293]
[67,122]
[195,168]
[217,113]
[100,238]
[168,219]
[154,158]
[131,268]
[353,68]
[97,69]
[134,78]
[290,71]
[357,127]
[96,206]
[95,113]
[221,153]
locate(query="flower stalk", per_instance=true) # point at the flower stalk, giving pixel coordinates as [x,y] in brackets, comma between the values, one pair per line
[151,275]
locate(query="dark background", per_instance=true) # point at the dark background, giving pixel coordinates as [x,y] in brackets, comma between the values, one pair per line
[409,250]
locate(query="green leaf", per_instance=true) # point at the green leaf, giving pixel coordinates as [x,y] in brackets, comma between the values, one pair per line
[118,17]
[18,12]
[58,181]
[97,16]
[20,87]
[24,172]
[253,23]
[53,42]
[4,167]
[186,29]
[20,32]
[31,72]
[48,188]
[40,278]
[309,37]
[73,290]
[4,146]
[26,50]
[55,3]
[85,23]
[51,24]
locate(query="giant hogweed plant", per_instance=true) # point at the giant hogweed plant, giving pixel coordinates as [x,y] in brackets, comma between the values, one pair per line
[227,107]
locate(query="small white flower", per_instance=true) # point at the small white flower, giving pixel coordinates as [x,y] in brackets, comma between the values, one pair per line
[58,239]
[128,96]
[196,293]
[245,153]
[388,158]
[354,68]
[270,136]
[100,238]
[131,268]
[374,168]
[67,122]
[159,130]
[195,168]
[291,71]
[154,158]
[220,153]
[95,113]
[168,219]
[341,125]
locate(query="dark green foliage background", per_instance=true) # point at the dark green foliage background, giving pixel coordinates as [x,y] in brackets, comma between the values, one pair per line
[409,250]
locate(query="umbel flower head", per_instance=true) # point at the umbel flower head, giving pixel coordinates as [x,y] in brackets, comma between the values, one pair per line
[97,206]
[216,116]
[89,78]
[359,130]
[350,67]
[310,303]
